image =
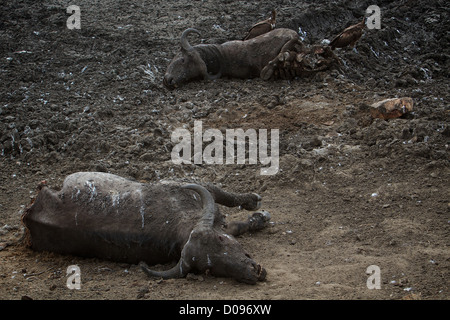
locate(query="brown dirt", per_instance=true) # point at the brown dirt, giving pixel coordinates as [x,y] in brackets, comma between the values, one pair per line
[351,191]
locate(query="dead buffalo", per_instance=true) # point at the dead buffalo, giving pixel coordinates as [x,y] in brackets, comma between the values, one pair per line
[106,216]
[234,59]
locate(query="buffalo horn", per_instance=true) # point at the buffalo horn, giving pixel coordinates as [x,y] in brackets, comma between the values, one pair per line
[175,272]
[207,201]
[184,42]
[214,76]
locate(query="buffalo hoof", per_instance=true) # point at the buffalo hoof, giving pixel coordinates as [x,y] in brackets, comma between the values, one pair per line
[254,204]
[259,220]
[267,72]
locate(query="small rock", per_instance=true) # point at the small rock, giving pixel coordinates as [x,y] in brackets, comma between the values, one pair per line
[147,157]
[141,292]
[391,108]
[192,276]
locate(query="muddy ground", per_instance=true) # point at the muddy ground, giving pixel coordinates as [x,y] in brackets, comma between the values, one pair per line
[351,191]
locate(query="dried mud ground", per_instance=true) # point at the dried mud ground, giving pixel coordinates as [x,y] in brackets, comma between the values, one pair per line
[351,191]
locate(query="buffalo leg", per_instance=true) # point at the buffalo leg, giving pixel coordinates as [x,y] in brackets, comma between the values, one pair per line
[268,70]
[294,45]
[259,220]
[290,45]
[248,201]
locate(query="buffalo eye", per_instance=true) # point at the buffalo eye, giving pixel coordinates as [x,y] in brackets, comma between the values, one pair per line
[182,60]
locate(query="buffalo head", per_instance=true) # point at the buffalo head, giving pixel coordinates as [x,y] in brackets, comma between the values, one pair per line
[208,248]
[186,65]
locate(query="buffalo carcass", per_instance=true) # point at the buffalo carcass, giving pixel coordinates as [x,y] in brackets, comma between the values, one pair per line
[106,216]
[234,59]
[278,54]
